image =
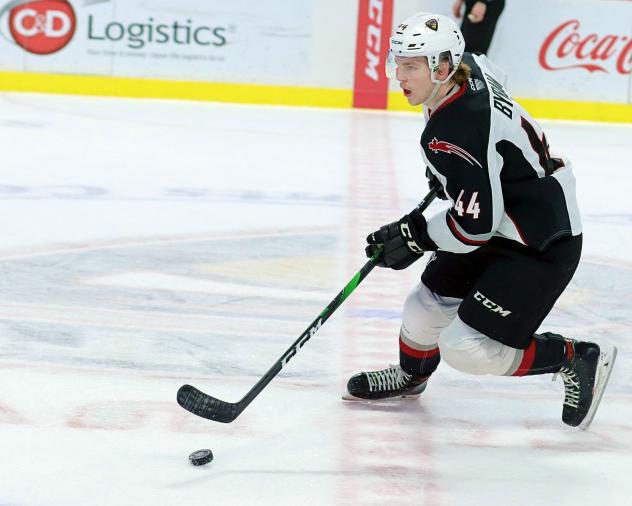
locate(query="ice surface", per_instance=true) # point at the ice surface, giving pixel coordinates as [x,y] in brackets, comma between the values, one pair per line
[147,244]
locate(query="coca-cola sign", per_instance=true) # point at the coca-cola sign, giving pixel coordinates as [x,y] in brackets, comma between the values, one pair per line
[566,47]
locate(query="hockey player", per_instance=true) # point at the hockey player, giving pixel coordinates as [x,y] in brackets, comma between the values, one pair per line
[505,249]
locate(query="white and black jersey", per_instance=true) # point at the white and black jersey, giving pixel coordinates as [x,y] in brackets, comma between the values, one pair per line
[494,163]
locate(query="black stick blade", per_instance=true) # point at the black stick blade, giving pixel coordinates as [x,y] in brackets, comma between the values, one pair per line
[201,404]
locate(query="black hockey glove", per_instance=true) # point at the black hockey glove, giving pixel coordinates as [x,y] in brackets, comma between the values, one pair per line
[433,183]
[403,242]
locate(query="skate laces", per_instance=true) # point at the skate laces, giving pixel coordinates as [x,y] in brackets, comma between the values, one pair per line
[572,387]
[392,378]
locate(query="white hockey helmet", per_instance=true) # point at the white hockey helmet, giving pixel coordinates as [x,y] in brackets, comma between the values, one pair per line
[434,36]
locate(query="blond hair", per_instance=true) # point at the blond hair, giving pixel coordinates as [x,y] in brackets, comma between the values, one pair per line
[462,74]
[463,71]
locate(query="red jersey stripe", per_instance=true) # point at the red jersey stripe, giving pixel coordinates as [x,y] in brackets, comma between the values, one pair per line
[517,227]
[412,352]
[459,235]
[451,99]
[527,360]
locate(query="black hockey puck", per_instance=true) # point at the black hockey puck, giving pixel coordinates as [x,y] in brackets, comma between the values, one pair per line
[201,457]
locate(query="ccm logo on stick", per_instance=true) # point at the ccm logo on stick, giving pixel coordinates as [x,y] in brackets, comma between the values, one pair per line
[306,337]
[492,306]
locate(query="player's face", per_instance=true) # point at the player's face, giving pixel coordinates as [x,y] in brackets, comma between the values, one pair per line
[413,75]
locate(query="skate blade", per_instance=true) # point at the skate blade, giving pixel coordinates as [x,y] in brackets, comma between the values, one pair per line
[351,398]
[604,369]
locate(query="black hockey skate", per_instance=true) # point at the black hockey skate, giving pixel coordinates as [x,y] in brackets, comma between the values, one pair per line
[585,376]
[385,384]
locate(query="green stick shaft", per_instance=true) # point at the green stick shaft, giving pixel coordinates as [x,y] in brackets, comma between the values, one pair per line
[206,406]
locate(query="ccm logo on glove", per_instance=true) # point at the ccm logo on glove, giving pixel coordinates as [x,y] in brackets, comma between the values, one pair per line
[412,245]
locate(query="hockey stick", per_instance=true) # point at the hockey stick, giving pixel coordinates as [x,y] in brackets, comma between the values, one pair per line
[206,406]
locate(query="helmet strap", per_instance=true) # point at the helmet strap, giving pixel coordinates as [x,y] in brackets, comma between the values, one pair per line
[433,94]
[438,83]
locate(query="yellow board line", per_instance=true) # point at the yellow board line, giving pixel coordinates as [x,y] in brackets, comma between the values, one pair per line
[548,109]
[273,95]
[573,110]
[189,90]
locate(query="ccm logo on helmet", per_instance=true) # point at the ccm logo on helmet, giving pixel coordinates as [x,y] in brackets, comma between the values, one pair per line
[42,26]
[492,306]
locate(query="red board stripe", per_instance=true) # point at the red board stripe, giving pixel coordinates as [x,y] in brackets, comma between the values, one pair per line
[370,85]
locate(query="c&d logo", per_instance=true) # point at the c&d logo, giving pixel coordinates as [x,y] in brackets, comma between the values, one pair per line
[41,26]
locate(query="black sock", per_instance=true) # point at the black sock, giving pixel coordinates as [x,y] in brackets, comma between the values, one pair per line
[546,354]
[417,362]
